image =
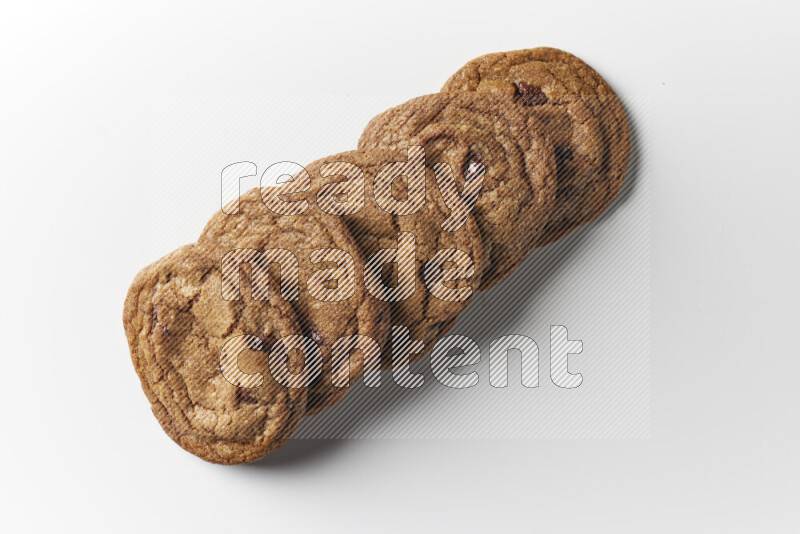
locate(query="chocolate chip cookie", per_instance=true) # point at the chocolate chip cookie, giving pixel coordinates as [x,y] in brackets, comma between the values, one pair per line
[543,78]
[348,183]
[177,323]
[306,234]
[447,194]
[482,133]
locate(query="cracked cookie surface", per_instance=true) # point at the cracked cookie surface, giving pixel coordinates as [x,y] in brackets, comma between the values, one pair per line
[542,78]
[427,315]
[467,129]
[256,227]
[177,323]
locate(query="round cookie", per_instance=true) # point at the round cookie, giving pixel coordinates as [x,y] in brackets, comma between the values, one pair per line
[255,227]
[547,77]
[177,323]
[467,129]
[374,228]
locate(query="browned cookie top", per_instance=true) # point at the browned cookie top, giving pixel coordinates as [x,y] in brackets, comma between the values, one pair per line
[177,323]
[376,228]
[326,311]
[467,130]
[547,77]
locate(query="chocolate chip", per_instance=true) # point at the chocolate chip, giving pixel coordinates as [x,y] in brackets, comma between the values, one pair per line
[563,153]
[316,336]
[156,326]
[388,275]
[473,166]
[243,396]
[381,317]
[530,95]
[564,192]
[267,342]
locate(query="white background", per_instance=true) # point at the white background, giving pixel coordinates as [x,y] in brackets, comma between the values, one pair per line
[81,452]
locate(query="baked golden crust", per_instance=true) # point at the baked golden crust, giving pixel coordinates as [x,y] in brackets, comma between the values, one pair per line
[546,79]
[256,227]
[375,228]
[176,323]
[519,184]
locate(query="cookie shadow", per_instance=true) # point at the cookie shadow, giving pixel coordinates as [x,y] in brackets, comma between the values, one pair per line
[297,452]
[368,412]
[635,111]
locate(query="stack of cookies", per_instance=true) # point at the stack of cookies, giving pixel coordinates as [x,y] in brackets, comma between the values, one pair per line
[368,257]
